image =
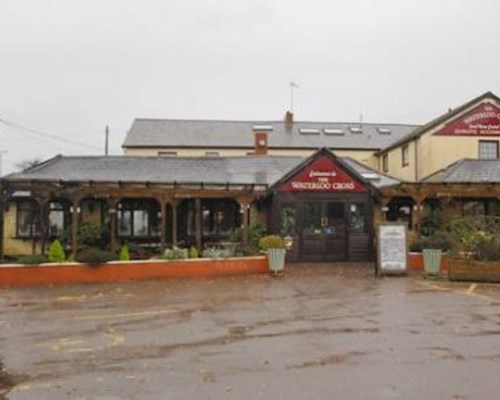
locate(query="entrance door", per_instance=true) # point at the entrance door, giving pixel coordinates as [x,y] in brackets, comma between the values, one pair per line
[335,231]
[323,235]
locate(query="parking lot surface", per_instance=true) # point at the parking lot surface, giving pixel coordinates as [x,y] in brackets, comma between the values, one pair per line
[319,332]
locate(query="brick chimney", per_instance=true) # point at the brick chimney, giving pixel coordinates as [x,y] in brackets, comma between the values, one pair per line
[261,143]
[289,118]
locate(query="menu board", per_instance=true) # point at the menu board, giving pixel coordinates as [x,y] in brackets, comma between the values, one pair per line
[392,249]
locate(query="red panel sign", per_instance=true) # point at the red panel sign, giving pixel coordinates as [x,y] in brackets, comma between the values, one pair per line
[323,175]
[484,120]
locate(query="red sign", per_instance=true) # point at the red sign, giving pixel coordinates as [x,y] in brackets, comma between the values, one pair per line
[322,175]
[484,120]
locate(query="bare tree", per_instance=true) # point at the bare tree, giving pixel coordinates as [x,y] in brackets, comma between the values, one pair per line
[29,163]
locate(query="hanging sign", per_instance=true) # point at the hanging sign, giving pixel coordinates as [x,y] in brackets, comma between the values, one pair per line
[484,120]
[392,249]
[322,175]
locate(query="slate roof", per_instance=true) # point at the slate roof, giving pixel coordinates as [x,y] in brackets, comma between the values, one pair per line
[260,170]
[468,171]
[240,134]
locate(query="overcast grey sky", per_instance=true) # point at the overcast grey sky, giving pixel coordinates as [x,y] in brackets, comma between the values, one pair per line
[69,67]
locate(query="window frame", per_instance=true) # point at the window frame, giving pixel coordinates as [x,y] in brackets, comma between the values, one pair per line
[483,142]
[32,210]
[385,162]
[405,155]
[130,210]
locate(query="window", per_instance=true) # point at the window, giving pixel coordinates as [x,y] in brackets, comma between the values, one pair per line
[219,217]
[488,149]
[385,163]
[138,219]
[56,219]
[28,219]
[288,219]
[167,153]
[405,155]
[357,221]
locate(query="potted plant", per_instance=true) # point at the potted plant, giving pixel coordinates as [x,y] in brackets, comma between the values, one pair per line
[275,248]
[432,248]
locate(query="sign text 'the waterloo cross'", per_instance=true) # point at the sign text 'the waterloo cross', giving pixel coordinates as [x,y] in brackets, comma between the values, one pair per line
[483,120]
[322,175]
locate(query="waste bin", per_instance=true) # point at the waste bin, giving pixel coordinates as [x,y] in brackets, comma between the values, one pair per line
[432,261]
[276,260]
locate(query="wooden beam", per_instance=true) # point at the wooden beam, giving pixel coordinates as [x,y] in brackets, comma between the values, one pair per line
[3,202]
[198,224]
[113,217]
[163,223]
[174,203]
[244,203]
[75,209]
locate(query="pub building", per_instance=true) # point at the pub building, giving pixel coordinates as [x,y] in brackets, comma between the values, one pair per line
[326,185]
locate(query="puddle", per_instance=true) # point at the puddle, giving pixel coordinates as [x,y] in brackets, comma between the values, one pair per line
[329,360]
[7,381]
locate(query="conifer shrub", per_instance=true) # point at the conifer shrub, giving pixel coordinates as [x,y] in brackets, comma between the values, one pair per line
[56,252]
[124,253]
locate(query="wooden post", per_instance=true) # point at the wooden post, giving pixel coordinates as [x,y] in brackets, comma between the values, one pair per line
[198,223]
[2,216]
[75,208]
[173,204]
[245,214]
[43,208]
[418,216]
[163,223]
[113,211]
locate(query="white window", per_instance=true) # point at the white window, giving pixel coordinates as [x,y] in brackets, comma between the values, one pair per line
[385,163]
[488,149]
[405,155]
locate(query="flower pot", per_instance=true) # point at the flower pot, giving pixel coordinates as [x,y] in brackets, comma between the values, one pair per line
[432,261]
[276,260]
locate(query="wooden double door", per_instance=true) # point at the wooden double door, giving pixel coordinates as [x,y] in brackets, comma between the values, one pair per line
[326,228]
[323,236]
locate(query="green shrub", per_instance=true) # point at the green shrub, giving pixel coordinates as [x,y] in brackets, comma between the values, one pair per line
[176,253]
[124,253]
[32,259]
[254,234]
[479,237]
[246,251]
[193,252]
[94,256]
[440,240]
[89,235]
[216,252]
[272,242]
[56,252]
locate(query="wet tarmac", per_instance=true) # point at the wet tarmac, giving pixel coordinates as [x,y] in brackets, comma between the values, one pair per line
[319,332]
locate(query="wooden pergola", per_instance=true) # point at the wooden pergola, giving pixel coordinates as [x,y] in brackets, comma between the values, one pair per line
[166,194]
[445,192]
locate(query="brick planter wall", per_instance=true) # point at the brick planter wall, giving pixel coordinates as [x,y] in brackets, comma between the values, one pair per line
[74,273]
[474,271]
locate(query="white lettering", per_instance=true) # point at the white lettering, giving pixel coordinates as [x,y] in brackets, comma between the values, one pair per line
[323,186]
[323,174]
[481,115]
